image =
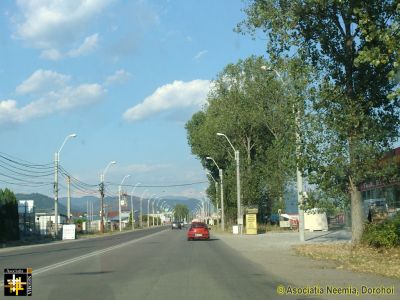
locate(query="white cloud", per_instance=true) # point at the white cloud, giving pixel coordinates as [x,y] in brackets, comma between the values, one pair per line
[118,77]
[200,54]
[89,44]
[41,80]
[54,96]
[7,109]
[51,25]
[51,54]
[175,95]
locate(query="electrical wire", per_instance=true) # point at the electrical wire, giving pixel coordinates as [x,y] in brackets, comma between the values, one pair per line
[25,163]
[20,169]
[160,186]
[25,184]
[65,172]
[32,174]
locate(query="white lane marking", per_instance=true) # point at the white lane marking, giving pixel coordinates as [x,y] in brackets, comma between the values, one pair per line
[75,259]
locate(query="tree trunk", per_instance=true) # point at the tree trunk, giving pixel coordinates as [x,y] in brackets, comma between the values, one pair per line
[357,218]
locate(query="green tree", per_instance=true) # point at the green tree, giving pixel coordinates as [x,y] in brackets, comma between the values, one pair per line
[181,212]
[255,110]
[9,218]
[354,116]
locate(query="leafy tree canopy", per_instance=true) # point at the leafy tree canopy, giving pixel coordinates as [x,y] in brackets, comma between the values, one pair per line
[253,106]
[354,115]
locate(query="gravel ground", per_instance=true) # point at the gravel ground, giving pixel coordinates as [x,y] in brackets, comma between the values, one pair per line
[273,252]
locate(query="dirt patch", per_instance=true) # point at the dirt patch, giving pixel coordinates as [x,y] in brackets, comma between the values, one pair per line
[359,258]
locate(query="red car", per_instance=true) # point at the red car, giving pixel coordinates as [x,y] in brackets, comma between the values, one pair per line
[198,231]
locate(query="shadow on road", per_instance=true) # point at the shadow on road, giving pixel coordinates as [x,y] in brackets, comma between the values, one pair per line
[329,236]
[41,252]
[92,273]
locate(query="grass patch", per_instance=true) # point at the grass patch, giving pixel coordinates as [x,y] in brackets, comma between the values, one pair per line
[358,258]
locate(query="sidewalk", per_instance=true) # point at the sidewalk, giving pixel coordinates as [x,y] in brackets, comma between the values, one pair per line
[273,252]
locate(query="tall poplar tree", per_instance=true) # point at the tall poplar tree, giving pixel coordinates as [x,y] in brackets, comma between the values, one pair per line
[354,116]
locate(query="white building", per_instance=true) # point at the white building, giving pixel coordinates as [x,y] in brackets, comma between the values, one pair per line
[45,222]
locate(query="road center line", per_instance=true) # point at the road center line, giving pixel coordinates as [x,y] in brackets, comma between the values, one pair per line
[98,252]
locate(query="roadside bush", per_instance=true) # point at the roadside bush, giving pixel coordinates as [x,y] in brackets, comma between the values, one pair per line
[386,234]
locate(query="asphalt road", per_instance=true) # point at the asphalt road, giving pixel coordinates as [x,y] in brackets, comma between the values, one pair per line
[148,264]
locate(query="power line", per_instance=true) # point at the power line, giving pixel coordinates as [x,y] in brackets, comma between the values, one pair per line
[31,174]
[24,163]
[26,184]
[160,186]
[22,168]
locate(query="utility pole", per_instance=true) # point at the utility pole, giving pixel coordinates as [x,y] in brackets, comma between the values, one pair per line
[239,213]
[56,194]
[216,199]
[132,215]
[141,216]
[56,163]
[299,180]
[148,211]
[221,177]
[87,215]
[119,207]
[153,212]
[68,199]
[222,193]
[101,190]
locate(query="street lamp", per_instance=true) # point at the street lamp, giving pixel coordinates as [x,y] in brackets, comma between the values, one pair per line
[132,212]
[152,197]
[148,209]
[152,205]
[56,164]
[163,208]
[298,173]
[222,193]
[239,213]
[141,211]
[102,176]
[159,204]
[119,200]
[155,202]
[216,192]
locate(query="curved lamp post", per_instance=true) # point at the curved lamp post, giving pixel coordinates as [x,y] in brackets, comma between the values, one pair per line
[141,210]
[56,167]
[216,193]
[148,209]
[239,213]
[222,193]
[119,200]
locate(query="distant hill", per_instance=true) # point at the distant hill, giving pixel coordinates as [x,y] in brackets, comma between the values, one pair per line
[42,202]
[80,204]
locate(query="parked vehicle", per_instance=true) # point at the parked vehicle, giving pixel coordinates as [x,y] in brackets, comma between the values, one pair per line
[376,209]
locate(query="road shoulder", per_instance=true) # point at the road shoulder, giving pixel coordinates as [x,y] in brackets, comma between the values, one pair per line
[273,252]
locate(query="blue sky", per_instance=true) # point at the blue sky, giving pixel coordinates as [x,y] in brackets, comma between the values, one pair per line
[124,76]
